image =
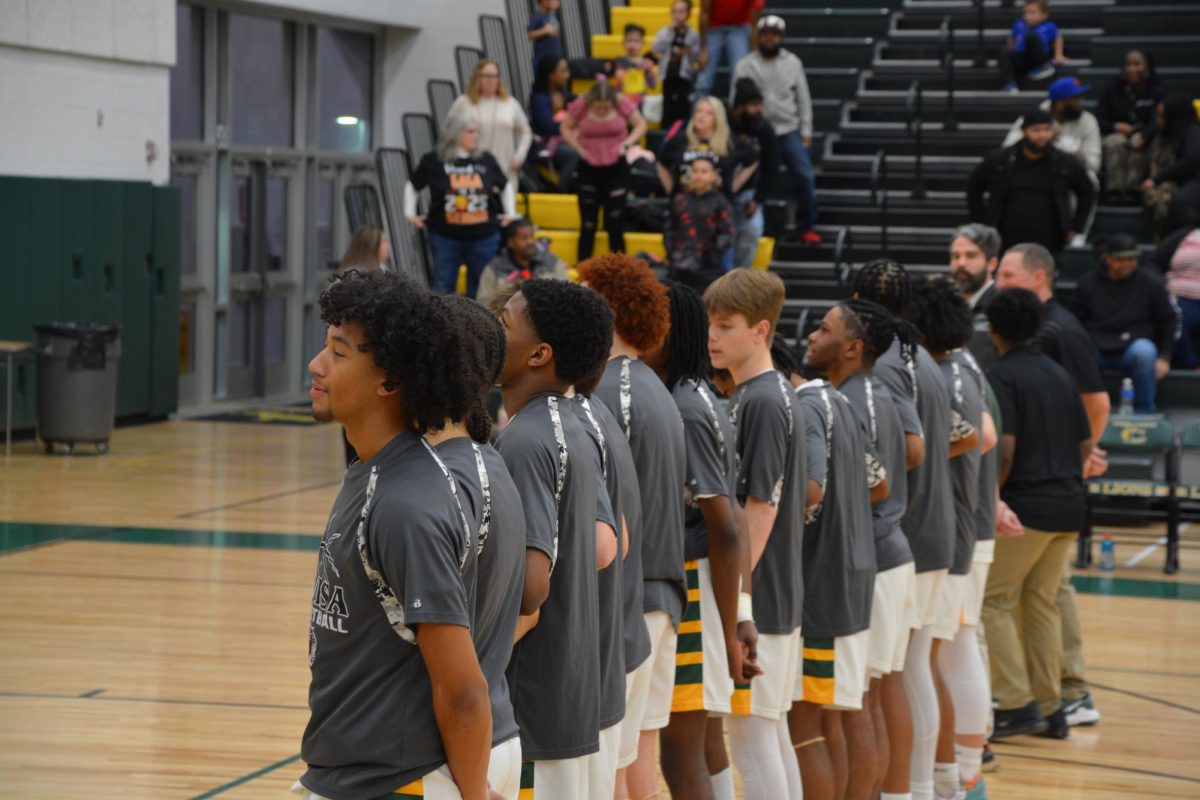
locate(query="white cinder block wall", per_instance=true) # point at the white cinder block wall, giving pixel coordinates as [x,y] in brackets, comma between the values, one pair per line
[84,84]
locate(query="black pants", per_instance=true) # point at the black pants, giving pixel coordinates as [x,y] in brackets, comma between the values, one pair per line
[677,101]
[1022,63]
[601,186]
[1184,209]
[695,279]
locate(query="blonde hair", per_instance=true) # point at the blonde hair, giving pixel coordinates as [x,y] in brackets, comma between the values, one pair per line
[363,252]
[754,294]
[473,93]
[719,141]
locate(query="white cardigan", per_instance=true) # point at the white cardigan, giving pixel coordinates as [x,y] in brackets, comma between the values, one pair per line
[503,129]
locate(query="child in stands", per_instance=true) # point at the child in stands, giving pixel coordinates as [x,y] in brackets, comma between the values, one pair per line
[701,230]
[677,48]
[635,73]
[1035,45]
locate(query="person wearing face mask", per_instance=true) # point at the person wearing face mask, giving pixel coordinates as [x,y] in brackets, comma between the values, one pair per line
[754,135]
[787,105]
[1026,190]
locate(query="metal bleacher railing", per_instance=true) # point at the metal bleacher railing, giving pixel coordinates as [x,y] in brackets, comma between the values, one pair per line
[419,136]
[441,94]
[362,206]
[575,42]
[408,245]
[520,48]
[493,32]
[465,58]
[879,196]
[914,106]
[946,57]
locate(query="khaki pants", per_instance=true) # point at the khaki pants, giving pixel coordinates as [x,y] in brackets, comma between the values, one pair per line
[1025,645]
[1074,685]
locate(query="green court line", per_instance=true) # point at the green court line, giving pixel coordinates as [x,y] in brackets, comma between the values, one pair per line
[15,536]
[247,778]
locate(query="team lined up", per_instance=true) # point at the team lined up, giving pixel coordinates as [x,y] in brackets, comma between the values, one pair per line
[634,559]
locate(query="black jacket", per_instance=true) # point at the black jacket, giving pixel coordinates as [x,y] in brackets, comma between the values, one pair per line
[993,177]
[1120,103]
[760,138]
[1116,313]
[1187,157]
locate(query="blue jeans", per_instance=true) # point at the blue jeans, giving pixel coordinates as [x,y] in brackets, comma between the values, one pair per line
[1138,363]
[449,254]
[1186,356]
[731,39]
[799,165]
[749,229]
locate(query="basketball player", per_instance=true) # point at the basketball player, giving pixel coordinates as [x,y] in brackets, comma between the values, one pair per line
[556,334]
[398,701]
[772,490]
[651,422]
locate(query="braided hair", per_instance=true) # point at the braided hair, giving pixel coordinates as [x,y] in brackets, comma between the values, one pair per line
[871,323]
[685,350]
[473,356]
[941,314]
[885,281]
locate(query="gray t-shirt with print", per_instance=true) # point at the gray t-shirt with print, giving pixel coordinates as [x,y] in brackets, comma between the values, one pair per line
[554,673]
[769,429]
[876,409]
[839,544]
[393,557]
[966,398]
[648,417]
[711,462]
[493,507]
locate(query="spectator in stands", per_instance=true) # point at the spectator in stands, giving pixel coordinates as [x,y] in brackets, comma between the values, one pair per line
[1126,113]
[1035,42]
[974,255]
[755,137]
[677,50]
[726,28]
[1178,257]
[543,30]
[635,73]
[548,102]
[469,198]
[779,76]
[707,136]
[1130,316]
[1030,187]
[520,259]
[601,126]
[1076,131]
[369,249]
[700,232]
[503,128]
[1173,193]
[1045,441]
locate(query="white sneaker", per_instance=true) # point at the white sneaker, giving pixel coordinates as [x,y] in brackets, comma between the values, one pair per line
[1081,711]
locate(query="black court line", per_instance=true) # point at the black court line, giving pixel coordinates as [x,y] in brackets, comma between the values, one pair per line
[258,773]
[103,576]
[1006,753]
[253,500]
[119,699]
[1148,698]
[1191,675]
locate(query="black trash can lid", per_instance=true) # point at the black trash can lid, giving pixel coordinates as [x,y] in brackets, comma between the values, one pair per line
[104,331]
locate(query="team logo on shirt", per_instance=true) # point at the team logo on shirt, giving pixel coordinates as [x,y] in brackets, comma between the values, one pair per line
[467,201]
[329,609]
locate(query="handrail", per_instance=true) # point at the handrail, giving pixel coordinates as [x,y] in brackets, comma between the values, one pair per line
[980,53]
[879,196]
[946,56]
[914,106]
[843,255]
[801,324]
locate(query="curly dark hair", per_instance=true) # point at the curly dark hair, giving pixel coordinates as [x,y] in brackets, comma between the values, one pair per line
[638,300]
[883,281]
[574,321]
[784,359]
[472,361]
[1015,315]
[940,313]
[686,348]
[871,323]
[401,331]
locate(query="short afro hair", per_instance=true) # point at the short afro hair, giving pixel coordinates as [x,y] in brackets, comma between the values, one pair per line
[472,360]
[402,333]
[641,310]
[1015,315]
[574,321]
[941,314]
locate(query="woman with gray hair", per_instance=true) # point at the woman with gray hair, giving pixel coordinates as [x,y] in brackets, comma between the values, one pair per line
[469,199]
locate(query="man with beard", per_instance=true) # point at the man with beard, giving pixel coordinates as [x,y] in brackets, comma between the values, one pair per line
[787,105]
[974,255]
[753,134]
[1076,130]
[1030,187]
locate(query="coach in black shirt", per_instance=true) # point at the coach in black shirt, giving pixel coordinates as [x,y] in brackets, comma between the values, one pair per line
[1045,442]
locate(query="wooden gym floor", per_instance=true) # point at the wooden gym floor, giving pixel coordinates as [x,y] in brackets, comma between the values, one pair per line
[156,634]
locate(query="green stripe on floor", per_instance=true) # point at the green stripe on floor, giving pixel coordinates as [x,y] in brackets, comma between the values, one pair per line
[1135,587]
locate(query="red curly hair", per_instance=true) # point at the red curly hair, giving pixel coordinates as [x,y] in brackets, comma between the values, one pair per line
[641,308]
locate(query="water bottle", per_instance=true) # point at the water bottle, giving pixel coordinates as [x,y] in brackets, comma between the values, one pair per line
[1126,406]
[1108,558]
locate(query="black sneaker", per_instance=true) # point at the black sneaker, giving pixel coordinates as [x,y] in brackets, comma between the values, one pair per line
[990,764]
[1018,721]
[1056,726]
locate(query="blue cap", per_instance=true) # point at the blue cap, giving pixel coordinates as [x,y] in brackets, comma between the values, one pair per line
[1066,88]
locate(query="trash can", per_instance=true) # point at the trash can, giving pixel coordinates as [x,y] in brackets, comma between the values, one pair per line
[76,383]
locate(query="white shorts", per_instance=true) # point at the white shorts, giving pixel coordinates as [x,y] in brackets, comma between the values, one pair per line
[833,672]
[504,769]
[602,765]
[770,695]
[566,777]
[949,610]
[977,582]
[893,614]
[702,681]
[928,597]
[644,709]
